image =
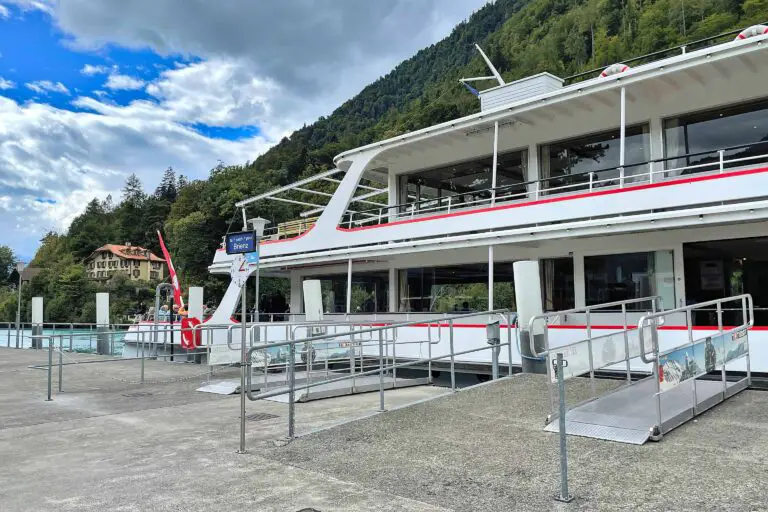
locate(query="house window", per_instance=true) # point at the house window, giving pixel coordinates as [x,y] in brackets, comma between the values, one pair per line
[136,274]
[135,263]
[153,275]
[617,277]
[103,255]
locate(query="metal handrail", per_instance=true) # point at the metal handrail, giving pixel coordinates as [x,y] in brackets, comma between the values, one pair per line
[646,319]
[535,188]
[587,309]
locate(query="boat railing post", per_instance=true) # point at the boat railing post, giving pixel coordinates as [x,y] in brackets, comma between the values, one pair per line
[720,331]
[449,204]
[689,325]
[721,158]
[591,180]
[650,171]
[536,191]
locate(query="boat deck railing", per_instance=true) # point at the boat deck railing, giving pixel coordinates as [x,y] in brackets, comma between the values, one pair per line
[651,171]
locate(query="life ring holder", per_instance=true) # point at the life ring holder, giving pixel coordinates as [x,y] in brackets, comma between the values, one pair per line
[753,31]
[614,69]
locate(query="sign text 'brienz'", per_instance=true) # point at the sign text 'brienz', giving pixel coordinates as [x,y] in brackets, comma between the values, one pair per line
[241,243]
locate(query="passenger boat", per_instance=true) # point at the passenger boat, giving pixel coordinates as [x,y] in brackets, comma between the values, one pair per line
[648,178]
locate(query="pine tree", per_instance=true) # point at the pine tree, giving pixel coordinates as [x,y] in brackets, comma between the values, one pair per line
[182,182]
[133,191]
[167,188]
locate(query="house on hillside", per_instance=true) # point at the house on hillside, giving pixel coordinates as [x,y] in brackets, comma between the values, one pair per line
[136,263]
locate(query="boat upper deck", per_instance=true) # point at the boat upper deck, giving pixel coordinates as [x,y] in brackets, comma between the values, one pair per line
[670,143]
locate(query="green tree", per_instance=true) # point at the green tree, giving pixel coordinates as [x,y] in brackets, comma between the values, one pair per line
[7,263]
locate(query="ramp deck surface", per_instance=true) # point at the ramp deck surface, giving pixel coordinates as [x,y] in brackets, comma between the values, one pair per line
[629,415]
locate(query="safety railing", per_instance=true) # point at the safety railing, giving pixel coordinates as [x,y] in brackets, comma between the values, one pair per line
[592,353]
[651,171]
[380,368]
[697,357]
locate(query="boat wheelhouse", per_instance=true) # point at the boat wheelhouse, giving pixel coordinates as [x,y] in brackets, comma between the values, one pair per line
[648,180]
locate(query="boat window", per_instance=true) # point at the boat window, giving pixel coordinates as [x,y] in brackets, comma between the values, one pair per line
[695,138]
[616,277]
[455,289]
[370,292]
[557,284]
[468,182]
[565,162]
[723,268]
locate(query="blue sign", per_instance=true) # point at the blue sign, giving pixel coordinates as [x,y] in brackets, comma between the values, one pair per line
[252,257]
[241,243]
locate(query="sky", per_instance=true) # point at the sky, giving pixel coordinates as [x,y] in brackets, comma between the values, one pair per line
[94,90]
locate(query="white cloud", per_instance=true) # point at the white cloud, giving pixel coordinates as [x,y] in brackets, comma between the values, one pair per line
[46,86]
[5,13]
[90,70]
[6,84]
[116,81]
[71,157]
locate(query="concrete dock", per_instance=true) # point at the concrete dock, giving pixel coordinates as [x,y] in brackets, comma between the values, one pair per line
[108,443]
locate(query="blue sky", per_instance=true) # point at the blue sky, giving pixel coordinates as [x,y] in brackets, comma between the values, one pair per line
[94,90]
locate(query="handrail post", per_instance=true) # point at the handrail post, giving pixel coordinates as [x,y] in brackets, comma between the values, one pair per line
[450,341]
[564,494]
[381,371]
[689,328]
[50,365]
[591,180]
[721,158]
[591,356]
[720,331]
[626,343]
[61,359]
[291,391]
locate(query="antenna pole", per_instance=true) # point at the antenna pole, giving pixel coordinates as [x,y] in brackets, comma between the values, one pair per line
[490,65]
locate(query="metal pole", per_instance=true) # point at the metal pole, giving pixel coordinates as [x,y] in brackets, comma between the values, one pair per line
[258,269]
[622,135]
[626,343]
[18,314]
[50,365]
[291,391]
[591,356]
[61,359]
[143,342]
[450,341]
[490,276]
[381,372]
[349,285]
[564,494]
[493,167]
[243,356]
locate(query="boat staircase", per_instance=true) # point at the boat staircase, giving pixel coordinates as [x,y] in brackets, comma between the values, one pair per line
[692,369]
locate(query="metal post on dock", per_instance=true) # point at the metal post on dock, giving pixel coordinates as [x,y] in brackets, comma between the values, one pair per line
[450,341]
[564,494]
[61,358]
[50,362]
[381,372]
[243,364]
[292,391]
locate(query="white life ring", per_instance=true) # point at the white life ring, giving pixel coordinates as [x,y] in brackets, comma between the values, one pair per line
[754,30]
[614,69]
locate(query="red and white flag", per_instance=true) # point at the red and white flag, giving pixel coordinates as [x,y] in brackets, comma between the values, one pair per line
[174,279]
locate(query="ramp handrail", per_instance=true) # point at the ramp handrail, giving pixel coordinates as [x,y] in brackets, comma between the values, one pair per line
[749,320]
[653,320]
[493,344]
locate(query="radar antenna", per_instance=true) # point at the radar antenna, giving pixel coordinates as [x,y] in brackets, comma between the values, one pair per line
[495,76]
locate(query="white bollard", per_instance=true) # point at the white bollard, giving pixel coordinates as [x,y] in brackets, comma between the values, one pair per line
[102,323]
[37,321]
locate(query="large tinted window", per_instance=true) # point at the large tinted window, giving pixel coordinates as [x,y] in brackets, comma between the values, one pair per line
[696,138]
[455,289]
[370,292]
[557,284]
[466,182]
[617,277]
[568,162]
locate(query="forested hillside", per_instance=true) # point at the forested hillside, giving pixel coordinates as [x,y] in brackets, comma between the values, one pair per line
[521,37]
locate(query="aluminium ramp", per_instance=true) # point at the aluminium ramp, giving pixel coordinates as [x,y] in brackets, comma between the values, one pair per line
[628,414]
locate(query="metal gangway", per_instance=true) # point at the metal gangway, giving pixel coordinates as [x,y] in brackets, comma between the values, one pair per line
[692,369]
